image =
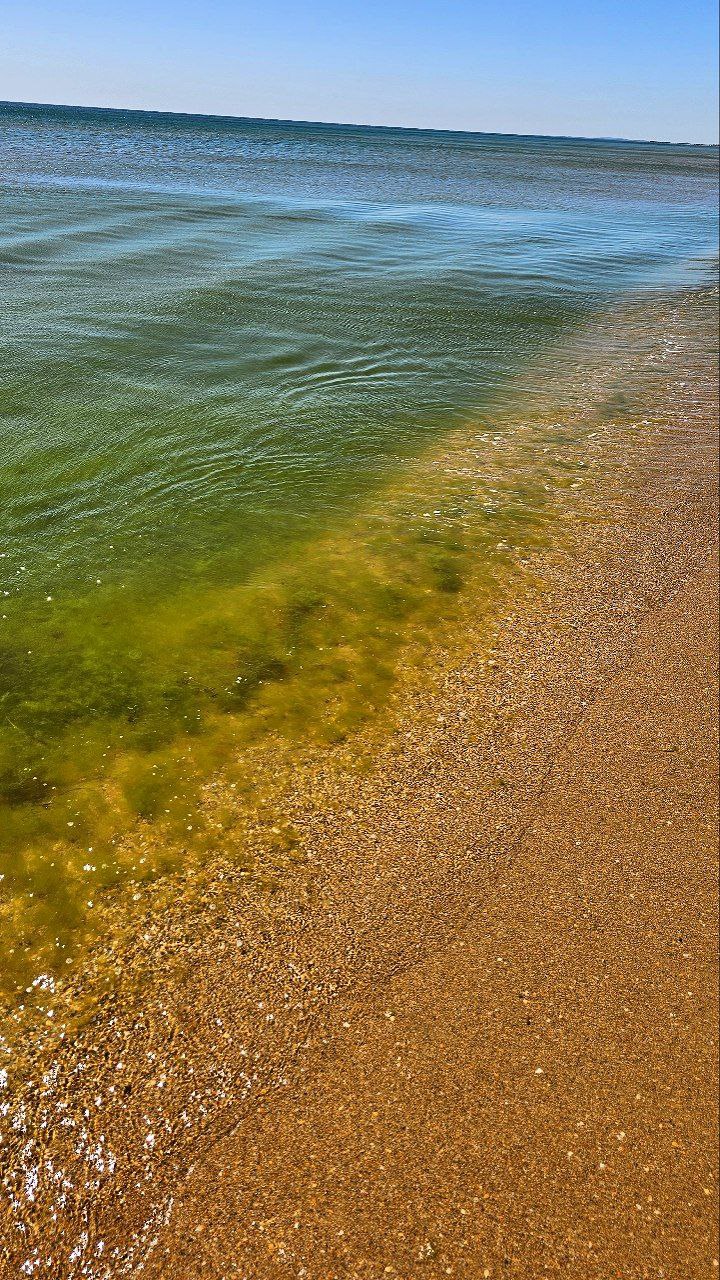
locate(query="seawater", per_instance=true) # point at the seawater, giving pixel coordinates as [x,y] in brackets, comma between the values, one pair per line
[235,355]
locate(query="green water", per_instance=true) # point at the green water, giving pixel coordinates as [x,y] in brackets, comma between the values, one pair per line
[272,396]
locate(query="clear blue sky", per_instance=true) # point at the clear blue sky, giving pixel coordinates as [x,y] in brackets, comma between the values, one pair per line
[621,68]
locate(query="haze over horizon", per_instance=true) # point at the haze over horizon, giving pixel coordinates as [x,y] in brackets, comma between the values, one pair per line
[601,70]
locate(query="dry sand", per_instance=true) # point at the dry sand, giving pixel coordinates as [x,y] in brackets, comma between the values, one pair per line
[536,1097]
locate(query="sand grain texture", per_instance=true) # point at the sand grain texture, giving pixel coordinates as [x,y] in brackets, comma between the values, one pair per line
[537,1097]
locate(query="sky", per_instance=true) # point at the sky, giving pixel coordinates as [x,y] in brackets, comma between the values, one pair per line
[592,68]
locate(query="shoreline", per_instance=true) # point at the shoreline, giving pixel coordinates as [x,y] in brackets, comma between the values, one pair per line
[242,1000]
[415,581]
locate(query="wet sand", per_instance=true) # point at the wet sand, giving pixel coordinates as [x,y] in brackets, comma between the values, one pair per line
[535,1097]
[470,1028]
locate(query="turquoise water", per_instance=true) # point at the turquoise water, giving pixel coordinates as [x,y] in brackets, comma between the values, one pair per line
[225,343]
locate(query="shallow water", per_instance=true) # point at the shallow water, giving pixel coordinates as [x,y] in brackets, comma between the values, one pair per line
[235,358]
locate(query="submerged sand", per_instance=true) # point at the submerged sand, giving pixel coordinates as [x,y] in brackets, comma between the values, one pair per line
[471,1029]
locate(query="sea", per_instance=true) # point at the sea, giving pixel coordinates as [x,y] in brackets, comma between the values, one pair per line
[274,398]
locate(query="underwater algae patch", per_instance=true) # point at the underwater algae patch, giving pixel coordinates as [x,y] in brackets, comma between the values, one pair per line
[115,718]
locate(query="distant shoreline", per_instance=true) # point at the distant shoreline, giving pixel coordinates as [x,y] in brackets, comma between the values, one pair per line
[353,126]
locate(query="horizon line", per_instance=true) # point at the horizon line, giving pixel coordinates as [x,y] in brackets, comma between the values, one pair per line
[344,124]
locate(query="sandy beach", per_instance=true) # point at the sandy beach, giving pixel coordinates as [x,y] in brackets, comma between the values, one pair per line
[534,1096]
[469,1028]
